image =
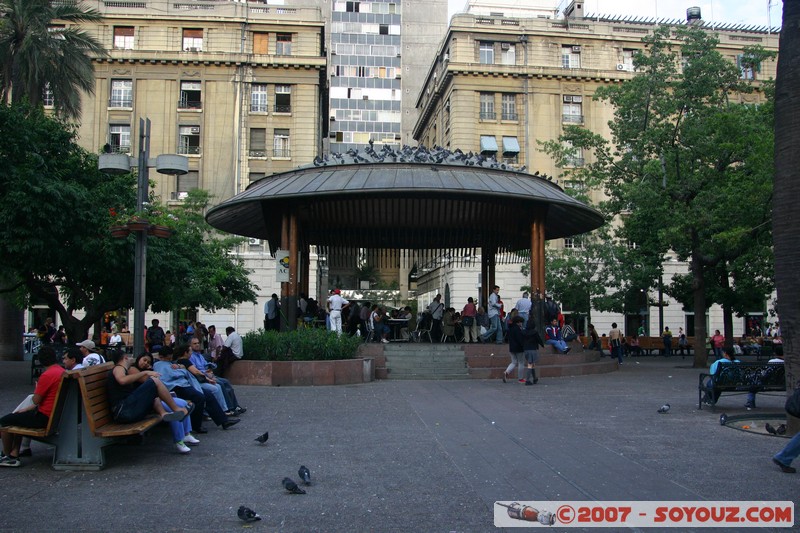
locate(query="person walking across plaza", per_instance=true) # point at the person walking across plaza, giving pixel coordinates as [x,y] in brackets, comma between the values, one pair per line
[495,328]
[436,309]
[516,341]
[335,305]
[531,346]
[615,342]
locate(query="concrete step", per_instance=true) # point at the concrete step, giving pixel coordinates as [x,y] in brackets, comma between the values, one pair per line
[426,362]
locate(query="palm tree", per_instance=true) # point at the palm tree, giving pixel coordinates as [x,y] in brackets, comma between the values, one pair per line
[38,51]
[785,215]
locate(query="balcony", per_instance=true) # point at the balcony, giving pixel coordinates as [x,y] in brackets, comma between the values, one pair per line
[574,161]
[488,115]
[188,150]
[257,153]
[190,104]
[282,152]
[259,108]
[120,149]
[572,119]
[279,108]
[121,102]
[510,116]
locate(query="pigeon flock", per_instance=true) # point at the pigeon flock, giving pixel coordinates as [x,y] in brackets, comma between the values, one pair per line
[246,514]
[416,154]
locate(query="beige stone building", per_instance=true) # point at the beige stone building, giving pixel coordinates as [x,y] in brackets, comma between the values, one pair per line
[505,79]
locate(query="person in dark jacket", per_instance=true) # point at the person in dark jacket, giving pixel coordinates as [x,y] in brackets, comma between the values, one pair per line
[531,343]
[516,339]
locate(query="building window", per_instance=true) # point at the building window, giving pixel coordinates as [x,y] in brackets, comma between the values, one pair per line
[187,182]
[119,137]
[509,107]
[510,150]
[486,53]
[193,40]
[352,7]
[627,60]
[573,243]
[283,44]
[48,99]
[258,98]
[190,95]
[123,37]
[572,109]
[574,157]
[189,140]
[747,68]
[283,98]
[260,43]
[280,144]
[487,106]
[255,176]
[258,142]
[121,93]
[571,56]
[488,145]
[508,54]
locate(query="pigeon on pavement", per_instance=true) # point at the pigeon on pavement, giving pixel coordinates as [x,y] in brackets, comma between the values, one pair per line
[664,408]
[248,515]
[304,474]
[263,438]
[771,430]
[781,429]
[292,487]
[723,418]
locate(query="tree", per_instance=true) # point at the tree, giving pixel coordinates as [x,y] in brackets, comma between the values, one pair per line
[37,52]
[785,216]
[54,219]
[687,169]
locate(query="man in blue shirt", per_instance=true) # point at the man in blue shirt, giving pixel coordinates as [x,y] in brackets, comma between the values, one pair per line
[493,312]
[199,361]
[553,334]
[727,358]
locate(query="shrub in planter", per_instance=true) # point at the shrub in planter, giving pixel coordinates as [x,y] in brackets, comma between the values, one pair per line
[305,344]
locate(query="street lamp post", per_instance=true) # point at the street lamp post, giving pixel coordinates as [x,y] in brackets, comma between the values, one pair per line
[121,164]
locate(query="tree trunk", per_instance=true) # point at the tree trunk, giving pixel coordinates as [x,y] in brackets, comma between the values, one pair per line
[785,215]
[727,312]
[699,296]
[12,326]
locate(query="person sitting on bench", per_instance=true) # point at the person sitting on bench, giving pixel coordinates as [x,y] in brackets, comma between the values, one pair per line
[133,396]
[36,415]
[727,358]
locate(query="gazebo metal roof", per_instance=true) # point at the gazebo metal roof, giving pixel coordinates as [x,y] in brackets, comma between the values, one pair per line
[414,199]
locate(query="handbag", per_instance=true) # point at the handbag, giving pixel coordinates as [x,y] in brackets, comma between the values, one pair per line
[466,321]
[793,403]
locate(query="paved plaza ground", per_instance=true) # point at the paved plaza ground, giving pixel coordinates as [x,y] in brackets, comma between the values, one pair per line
[421,456]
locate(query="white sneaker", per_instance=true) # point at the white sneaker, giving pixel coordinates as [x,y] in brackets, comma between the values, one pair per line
[182,448]
[190,440]
[384,341]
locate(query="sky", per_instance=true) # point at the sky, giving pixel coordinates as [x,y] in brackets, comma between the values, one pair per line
[731,11]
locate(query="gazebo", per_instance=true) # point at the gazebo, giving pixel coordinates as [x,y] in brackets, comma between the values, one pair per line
[412,198]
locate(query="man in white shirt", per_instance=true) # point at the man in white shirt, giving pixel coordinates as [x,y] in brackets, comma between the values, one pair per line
[523,307]
[90,356]
[335,304]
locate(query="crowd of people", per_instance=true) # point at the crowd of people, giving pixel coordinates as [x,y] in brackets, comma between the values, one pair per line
[181,380]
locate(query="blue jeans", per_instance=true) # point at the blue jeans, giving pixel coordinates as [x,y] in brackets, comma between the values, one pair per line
[790,452]
[227,391]
[182,427]
[494,328]
[559,344]
[216,391]
[138,404]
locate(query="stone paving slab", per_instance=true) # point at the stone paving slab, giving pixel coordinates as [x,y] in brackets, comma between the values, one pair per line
[396,456]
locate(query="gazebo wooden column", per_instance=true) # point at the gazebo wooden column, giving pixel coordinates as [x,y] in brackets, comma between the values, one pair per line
[537,256]
[289,242]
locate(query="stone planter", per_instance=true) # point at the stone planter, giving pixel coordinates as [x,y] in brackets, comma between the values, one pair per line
[302,373]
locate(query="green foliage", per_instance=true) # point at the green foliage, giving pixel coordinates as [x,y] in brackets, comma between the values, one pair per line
[688,171]
[303,344]
[33,54]
[54,217]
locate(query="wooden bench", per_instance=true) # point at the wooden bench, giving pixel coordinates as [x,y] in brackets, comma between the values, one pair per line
[47,433]
[741,378]
[97,428]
